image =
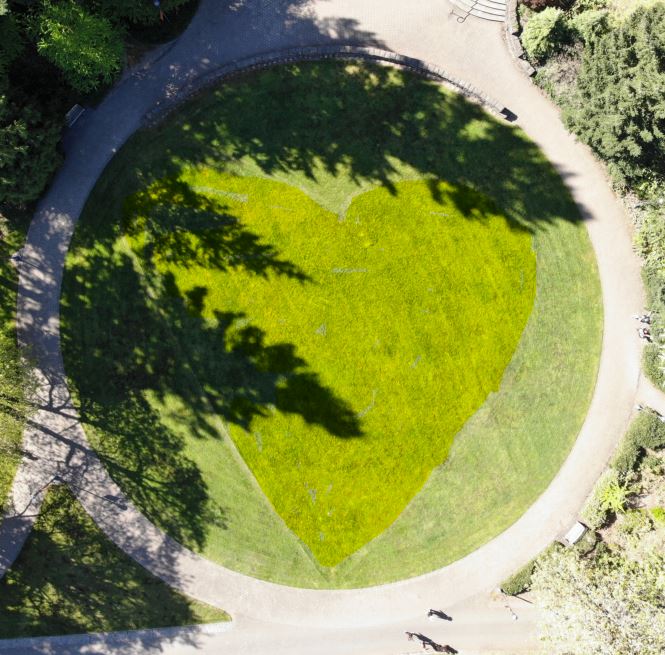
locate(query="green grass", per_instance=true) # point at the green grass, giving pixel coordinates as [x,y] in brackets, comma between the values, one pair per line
[70,579]
[12,400]
[367,341]
[334,131]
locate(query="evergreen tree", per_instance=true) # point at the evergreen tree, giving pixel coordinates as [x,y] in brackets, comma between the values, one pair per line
[619,106]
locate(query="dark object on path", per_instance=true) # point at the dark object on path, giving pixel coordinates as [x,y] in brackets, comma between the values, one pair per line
[439,615]
[426,642]
[644,333]
[510,116]
[449,649]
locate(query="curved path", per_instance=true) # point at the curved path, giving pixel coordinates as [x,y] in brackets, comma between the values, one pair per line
[55,443]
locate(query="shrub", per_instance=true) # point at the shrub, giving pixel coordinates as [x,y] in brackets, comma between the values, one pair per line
[538,5]
[587,544]
[658,515]
[646,431]
[619,104]
[653,365]
[86,48]
[28,152]
[596,511]
[141,12]
[589,25]
[519,582]
[544,34]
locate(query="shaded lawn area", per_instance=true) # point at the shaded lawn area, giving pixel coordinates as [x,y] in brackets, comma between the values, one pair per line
[161,423]
[69,578]
[13,225]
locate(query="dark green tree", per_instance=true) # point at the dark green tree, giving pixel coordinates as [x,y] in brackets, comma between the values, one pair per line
[619,106]
[28,150]
[87,48]
[142,12]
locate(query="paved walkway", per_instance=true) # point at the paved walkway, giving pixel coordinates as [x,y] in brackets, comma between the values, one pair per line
[56,445]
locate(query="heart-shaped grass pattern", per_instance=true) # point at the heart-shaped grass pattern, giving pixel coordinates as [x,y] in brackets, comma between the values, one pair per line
[342,352]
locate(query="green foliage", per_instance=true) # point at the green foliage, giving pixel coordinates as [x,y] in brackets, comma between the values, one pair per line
[544,34]
[653,363]
[519,582]
[646,431]
[589,25]
[619,106]
[603,605]
[133,11]
[587,544]
[608,495]
[28,152]
[658,515]
[86,48]
[70,579]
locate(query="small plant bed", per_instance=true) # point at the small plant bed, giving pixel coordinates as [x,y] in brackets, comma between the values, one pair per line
[278,329]
[70,579]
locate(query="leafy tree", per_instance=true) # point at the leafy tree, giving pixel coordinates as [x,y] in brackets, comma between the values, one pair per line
[603,606]
[86,48]
[28,152]
[619,106]
[141,12]
[589,25]
[544,34]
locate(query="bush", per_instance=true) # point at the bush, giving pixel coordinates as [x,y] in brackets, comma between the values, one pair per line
[653,365]
[619,104]
[86,48]
[132,11]
[646,431]
[587,544]
[519,582]
[28,152]
[589,25]
[658,515]
[538,5]
[596,511]
[544,34]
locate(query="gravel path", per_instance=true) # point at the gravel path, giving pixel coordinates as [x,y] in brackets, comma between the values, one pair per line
[56,445]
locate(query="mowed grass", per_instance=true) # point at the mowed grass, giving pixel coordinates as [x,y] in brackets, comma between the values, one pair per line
[70,579]
[334,131]
[345,355]
[13,381]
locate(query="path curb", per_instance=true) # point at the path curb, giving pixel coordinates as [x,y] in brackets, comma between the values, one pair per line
[317,53]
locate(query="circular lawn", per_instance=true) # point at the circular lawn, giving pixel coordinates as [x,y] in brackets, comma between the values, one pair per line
[331,324]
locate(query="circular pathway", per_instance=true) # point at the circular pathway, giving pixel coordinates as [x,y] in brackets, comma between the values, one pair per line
[55,442]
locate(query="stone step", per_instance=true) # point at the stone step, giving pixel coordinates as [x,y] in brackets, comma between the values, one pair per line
[487,9]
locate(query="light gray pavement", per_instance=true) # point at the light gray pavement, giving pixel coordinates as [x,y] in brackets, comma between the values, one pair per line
[473,51]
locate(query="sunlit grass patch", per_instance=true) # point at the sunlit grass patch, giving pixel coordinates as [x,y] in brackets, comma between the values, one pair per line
[350,349]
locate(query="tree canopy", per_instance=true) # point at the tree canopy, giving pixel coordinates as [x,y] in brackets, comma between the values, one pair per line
[604,606]
[619,107]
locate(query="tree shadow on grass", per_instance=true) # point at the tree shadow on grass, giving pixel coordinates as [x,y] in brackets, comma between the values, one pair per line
[169,207]
[127,349]
[70,579]
[358,120]
[131,348]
